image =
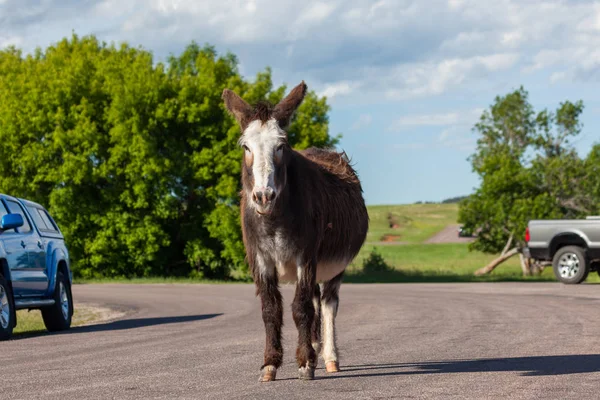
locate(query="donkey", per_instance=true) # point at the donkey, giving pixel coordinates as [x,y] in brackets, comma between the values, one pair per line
[303,220]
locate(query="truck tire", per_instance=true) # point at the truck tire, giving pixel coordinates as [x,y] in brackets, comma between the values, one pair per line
[571,265]
[58,317]
[6,310]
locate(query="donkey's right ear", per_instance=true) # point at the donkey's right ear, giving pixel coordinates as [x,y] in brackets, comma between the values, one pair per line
[237,107]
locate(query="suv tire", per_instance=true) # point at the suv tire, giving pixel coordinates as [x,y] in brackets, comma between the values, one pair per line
[58,317]
[570,265]
[7,312]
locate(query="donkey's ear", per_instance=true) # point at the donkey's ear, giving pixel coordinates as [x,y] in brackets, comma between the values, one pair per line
[285,109]
[237,107]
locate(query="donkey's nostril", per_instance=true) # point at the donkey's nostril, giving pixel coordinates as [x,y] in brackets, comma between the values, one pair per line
[263,197]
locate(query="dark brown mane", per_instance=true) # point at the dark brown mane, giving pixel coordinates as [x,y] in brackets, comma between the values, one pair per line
[262,111]
[334,162]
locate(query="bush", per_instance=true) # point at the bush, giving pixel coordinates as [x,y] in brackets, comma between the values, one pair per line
[375,263]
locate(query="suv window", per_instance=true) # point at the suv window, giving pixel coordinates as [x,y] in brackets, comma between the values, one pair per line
[37,219]
[15,208]
[3,211]
[47,220]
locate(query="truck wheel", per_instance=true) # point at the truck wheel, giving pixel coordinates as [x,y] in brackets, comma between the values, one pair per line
[571,265]
[58,316]
[6,310]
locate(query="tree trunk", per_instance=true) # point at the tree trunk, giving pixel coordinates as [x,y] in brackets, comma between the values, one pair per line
[510,239]
[524,265]
[491,266]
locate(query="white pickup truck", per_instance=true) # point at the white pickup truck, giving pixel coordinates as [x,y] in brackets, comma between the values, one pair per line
[572,245]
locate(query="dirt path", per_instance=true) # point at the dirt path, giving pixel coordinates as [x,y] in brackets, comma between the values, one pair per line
[449,235]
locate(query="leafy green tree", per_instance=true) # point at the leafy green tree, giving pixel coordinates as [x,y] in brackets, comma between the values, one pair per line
[138,161]
[528,170]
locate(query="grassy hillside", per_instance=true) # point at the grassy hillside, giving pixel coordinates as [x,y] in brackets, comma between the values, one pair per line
[416,222]
[403,248]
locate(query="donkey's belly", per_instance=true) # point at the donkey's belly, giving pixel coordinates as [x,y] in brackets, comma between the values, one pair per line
[329,270]
[325,271]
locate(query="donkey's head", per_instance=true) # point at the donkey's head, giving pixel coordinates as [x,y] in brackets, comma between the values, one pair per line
[266,150]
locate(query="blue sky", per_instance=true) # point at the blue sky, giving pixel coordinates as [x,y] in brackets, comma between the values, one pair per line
[406,79]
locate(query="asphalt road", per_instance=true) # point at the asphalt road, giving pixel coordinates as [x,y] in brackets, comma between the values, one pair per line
[479,340]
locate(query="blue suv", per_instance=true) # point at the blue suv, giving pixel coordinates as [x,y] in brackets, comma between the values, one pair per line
[34,266]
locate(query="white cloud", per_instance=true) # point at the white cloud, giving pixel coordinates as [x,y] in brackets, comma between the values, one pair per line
[399,49]
[456,138]
[461,119]
[454,4]
[316,12]
[463,39]
[513,38]
[433,78]
[543,59]
[337,89]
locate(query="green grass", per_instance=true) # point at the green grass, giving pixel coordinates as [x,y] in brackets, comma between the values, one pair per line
[417,222]
[32,322]
[448,262]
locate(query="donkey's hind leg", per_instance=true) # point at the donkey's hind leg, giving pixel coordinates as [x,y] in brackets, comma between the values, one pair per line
[303,312]
[329,306]
[316,325]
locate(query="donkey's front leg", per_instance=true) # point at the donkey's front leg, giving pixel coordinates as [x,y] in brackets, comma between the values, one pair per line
[304,313]
[272,314]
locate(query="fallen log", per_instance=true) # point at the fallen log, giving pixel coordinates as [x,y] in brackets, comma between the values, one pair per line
[491,266]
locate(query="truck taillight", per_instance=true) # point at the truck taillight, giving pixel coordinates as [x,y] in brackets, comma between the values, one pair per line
[527,237]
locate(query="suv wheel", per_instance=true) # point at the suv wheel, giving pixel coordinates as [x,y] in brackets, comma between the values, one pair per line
[571,265]
[58,316]
[6,310]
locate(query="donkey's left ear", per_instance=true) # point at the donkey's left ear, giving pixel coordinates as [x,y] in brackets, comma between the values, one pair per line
[285,109]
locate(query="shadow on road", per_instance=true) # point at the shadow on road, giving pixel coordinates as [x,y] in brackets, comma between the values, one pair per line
[528,366]
[139,323]
[123,324]
[416,276]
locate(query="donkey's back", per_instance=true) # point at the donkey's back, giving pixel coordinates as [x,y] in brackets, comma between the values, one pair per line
[339,210]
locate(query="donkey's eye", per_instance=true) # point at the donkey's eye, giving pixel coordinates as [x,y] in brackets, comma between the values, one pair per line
[278,154]
[246,148]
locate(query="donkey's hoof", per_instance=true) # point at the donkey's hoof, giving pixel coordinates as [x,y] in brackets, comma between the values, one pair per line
[268,374]
[306,373]
[332,366]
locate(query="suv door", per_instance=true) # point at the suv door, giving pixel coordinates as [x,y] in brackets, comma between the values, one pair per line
[16,256]
[31,277]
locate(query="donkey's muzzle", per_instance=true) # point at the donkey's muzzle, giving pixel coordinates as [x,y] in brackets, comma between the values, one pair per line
[263,197]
